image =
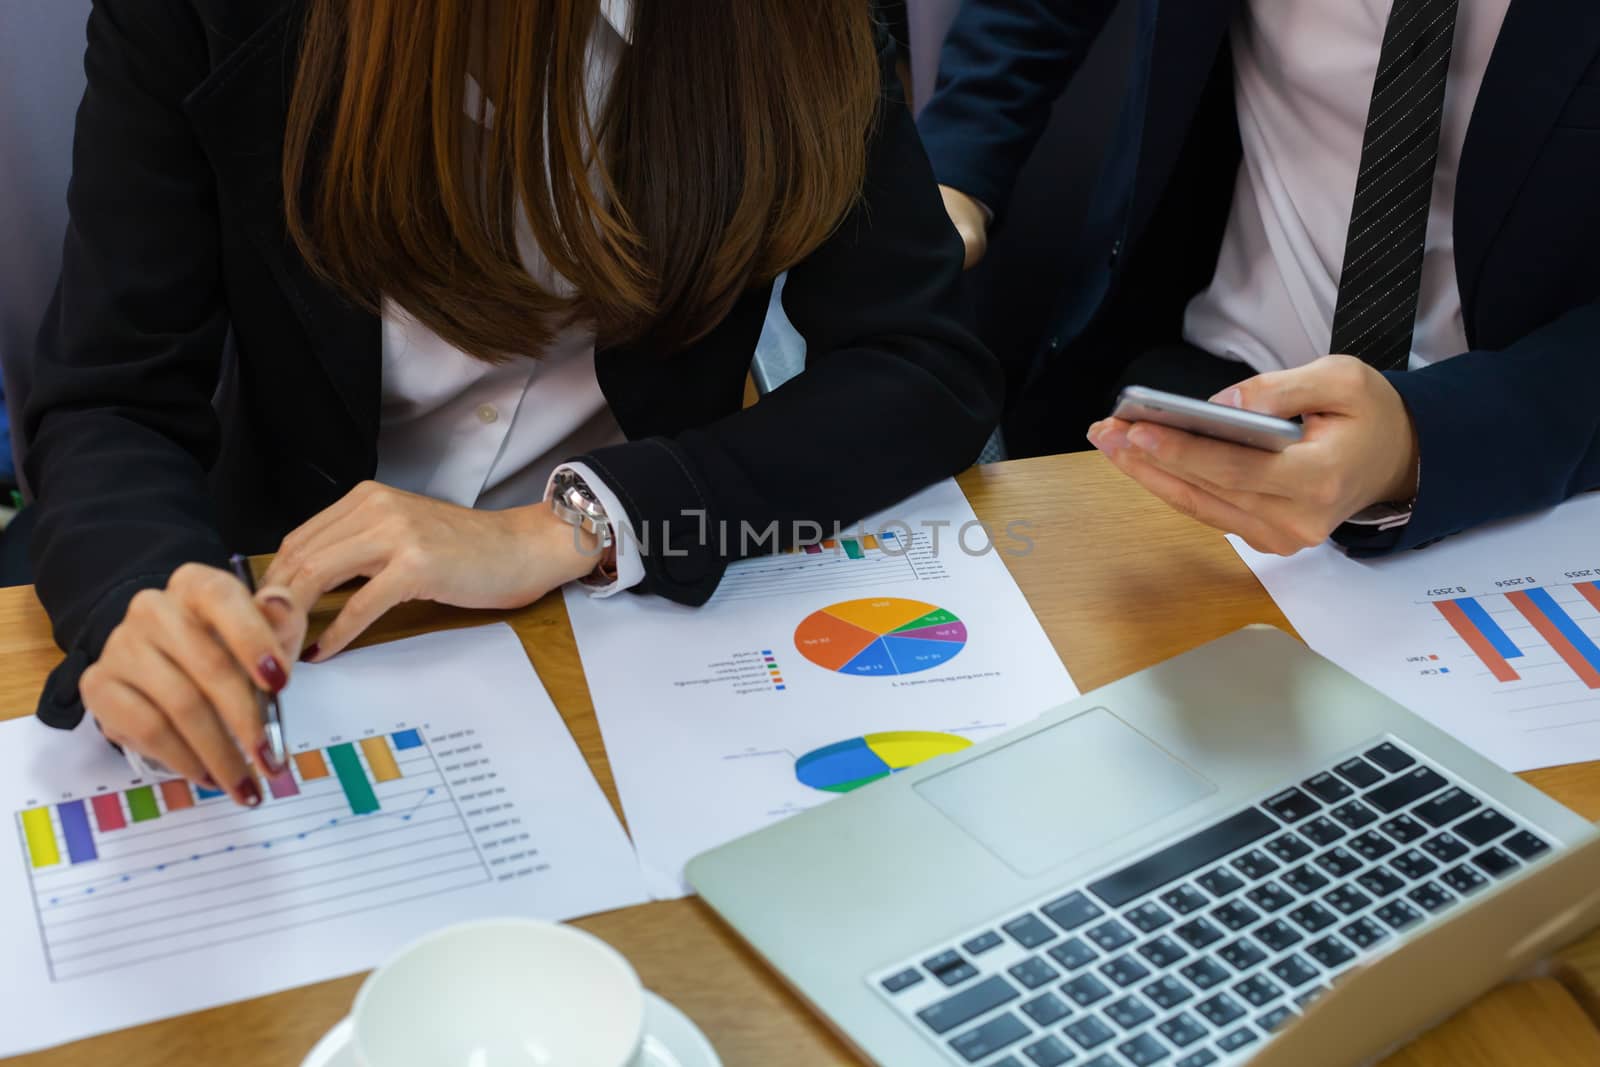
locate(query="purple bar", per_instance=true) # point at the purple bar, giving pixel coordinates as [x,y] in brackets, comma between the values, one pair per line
[75,828]
[813,549]
[284,785]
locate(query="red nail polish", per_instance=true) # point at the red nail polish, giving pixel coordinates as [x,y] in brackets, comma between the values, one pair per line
[249,793]
[272,672]
[309,654]
[209,782]
[265,752]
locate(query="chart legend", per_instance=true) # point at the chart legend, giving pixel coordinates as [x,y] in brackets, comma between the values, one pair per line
[880,637]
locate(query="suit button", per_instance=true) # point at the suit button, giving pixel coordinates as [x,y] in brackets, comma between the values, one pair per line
[1116,253]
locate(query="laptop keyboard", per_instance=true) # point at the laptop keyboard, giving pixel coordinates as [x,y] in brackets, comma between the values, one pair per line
[1195,953]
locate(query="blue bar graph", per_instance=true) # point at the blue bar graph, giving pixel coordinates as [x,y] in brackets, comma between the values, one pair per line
[75,828]
[406,739]
[207,794]
[1489,628]
[1569,629]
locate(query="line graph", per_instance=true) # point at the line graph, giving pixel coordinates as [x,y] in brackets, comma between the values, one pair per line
[138,872]
[162,869]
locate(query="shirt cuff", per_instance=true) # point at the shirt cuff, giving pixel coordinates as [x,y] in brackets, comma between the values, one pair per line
[630,566]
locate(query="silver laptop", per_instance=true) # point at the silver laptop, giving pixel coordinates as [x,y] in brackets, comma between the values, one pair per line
[1242,854]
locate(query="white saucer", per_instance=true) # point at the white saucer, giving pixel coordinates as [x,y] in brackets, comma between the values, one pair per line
[671,1039]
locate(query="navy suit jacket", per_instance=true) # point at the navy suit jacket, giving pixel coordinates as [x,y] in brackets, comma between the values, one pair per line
[1510,426]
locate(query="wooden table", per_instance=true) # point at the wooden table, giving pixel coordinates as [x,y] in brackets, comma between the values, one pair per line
[1119,583]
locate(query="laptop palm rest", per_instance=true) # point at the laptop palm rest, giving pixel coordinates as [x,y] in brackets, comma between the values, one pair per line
[1063,790]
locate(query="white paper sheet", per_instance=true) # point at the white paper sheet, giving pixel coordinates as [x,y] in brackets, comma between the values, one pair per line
[709,713]
[485,807]
[1525,592]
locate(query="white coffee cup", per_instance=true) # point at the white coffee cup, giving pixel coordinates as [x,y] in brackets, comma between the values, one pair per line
[500,993]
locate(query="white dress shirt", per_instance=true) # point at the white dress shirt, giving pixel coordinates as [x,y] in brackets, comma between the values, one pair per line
[1303,74]
[487,435]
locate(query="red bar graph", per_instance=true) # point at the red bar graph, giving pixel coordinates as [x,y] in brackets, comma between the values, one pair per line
[108,812]
[1551,632]
[1591,593]
[1475,639]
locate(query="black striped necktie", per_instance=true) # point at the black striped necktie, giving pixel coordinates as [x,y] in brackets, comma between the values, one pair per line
[1381,280]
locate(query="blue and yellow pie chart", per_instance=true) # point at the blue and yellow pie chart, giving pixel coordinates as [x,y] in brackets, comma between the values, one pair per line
[848,765]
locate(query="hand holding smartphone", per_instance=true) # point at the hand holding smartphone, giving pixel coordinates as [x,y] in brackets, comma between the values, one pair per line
[1249,428]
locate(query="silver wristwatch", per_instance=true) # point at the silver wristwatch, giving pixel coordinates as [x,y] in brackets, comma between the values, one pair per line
[576,505]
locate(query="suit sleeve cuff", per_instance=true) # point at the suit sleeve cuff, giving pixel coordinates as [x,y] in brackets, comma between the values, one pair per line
[60,703]
[630,565]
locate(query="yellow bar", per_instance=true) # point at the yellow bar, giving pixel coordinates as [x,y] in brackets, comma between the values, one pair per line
[380,758]
[869,541]
[41,837]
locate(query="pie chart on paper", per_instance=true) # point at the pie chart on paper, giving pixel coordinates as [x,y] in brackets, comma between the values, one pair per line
[849,765]
[880,636]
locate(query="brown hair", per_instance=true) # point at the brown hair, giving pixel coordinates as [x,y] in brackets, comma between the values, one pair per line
[732,143]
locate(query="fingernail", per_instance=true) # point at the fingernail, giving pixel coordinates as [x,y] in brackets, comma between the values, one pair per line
[1113,441]
[272,673]
[209,782]
[272,765]
[1232,398]
[1142,439]
[280,600]
[310,653]
[249,793]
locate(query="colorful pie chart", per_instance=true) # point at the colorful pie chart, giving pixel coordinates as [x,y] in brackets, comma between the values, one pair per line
[852,764]
[880,636]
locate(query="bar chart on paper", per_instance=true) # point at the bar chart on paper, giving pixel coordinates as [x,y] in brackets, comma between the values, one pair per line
[858,561]
[1543,635]
[122,877]
[1553,621]
[430,781]
[1493,636]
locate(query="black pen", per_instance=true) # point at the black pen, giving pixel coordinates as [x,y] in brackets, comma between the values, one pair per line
[268,704]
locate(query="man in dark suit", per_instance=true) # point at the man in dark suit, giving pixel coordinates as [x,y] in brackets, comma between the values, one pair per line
[1407,184]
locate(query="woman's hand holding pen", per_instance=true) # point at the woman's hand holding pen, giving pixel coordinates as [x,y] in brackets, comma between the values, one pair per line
[412,547]
[177,679]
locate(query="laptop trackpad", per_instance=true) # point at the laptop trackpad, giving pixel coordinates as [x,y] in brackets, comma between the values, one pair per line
[1064,790]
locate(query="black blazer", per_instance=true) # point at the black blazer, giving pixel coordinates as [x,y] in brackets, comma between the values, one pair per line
[176,253]
[1508,427]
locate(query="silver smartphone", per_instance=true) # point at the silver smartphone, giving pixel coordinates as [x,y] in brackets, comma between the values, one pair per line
[1138,404]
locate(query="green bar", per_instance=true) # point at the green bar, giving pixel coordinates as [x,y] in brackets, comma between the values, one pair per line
[142,804]
[852,549]
[363,801]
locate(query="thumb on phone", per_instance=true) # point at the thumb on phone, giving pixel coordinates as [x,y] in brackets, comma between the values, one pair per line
[1328,386]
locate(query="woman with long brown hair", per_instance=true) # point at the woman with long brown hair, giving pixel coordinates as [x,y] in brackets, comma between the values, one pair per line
[459,296]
